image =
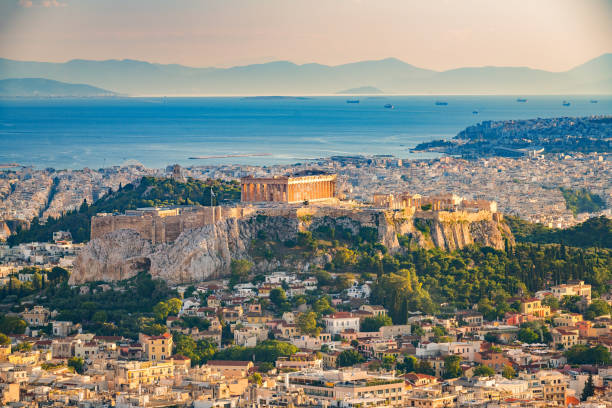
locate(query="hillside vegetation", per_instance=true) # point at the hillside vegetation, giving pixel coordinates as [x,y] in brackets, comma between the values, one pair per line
[595,232]
[147,192]
[581,201]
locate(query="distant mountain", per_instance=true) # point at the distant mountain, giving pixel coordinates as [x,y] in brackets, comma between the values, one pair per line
[35,87]
[362,90]
[286,78]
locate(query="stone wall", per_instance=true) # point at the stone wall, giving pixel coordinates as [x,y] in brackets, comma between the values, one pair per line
[164,229]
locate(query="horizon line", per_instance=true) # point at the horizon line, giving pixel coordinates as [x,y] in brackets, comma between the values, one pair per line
[303,64]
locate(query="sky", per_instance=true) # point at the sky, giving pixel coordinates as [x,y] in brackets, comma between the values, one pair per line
[554,35]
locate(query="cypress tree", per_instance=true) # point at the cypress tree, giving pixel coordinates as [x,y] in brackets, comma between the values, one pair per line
[589,389]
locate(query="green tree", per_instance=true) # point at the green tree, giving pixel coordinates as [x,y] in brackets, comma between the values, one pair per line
[161,311]
[349,358]
[100,316]
[322,306]
[278,296]
[552,302]
[527,335]
[400,293]
[388,362]
[255,378]
[409,364]
[307,323]
[424,367]
[174,306]
[483,371]
[77,363]
[373,324]
[240,269]
[583,354]
[452,365]
[508,372]
[4,340]
[589,389]
[12,325]
[597,308]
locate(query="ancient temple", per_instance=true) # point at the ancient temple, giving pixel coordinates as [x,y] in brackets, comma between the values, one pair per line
[288,189]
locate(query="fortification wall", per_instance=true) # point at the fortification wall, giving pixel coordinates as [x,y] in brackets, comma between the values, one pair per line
[164,229]
[455,216]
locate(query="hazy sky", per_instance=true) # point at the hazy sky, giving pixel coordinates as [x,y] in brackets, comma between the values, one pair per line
[437,34]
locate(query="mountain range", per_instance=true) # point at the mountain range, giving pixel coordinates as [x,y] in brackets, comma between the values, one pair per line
[286,78]
[40,87]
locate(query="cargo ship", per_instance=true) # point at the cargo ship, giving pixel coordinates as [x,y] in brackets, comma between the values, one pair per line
[521,100]
[566,103]
[440,103]
[389,106]
[352,101]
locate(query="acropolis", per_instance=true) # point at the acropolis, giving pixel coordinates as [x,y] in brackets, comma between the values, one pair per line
[289,189]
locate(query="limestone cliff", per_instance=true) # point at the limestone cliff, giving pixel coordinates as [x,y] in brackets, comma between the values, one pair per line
[206,252]
[5,231]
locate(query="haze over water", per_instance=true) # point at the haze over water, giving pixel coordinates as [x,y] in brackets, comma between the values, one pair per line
[77,133]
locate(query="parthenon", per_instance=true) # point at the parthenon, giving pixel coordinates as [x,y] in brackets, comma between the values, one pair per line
[288,189]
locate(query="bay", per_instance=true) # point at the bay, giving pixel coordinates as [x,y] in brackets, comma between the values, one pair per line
[77,133]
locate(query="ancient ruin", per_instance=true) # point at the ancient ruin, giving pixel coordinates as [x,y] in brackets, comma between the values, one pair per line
[289,189]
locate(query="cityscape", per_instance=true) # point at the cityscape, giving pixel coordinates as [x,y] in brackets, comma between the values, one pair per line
[244,204]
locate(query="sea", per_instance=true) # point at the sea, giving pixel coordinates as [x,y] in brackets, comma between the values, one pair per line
[95,133]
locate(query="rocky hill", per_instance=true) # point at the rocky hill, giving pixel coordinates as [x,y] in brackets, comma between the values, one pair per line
[204,253]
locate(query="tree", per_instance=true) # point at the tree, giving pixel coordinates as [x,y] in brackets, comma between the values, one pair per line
[424,367]
[483,371]
[452,365]
[198,351]
[409,364]
[278,296]
[373,324]
[4,340]
[324,278]
[589,389]
[597,308]
[400,293]
[307,323]
[354,343]
[24,346]
[491,338]
[551,301]
[77,363]
[161,311]
[100,316]
[527,335]
[509,372]
[349,358]
[322,306]
[582,354]
[388,362]
[12,325]
[255,378]
[174,306]
[240,269]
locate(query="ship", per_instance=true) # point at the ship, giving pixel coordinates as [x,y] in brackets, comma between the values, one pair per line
[521,100]
[389,106]
[566,103]
[440,103]
[593,101]
[352,101]
[475,112]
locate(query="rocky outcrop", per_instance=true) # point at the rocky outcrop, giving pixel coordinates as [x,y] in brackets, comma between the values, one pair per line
[5,231]
[203,253]
[118,255]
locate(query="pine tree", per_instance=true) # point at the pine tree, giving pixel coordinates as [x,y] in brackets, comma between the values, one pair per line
[589,389]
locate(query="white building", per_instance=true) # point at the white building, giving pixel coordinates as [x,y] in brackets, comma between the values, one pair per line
[341,321]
